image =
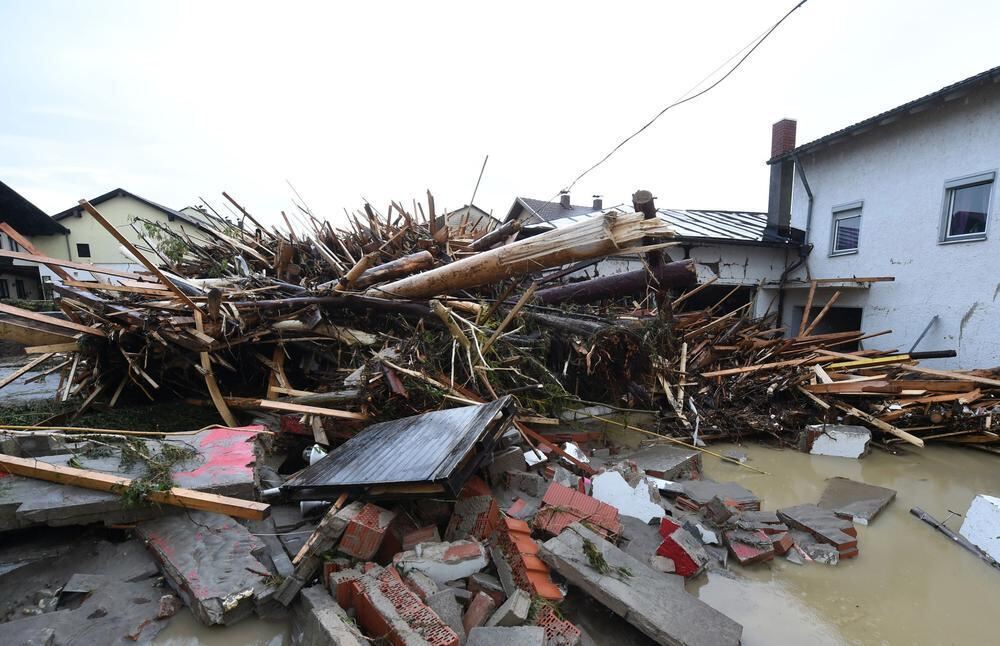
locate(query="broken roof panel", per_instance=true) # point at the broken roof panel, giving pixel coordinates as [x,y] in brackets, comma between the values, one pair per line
[430,454]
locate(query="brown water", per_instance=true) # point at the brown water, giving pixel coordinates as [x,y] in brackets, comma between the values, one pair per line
[910,584]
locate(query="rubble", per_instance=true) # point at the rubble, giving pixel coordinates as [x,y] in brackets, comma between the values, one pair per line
[498,636]
[856,501]
[825,526]
[839,440]
[635,592]
[982,525]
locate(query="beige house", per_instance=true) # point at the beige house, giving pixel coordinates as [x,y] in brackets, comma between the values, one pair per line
[22,281]
[134,216]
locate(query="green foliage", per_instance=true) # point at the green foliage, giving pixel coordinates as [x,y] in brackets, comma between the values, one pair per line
[171,246]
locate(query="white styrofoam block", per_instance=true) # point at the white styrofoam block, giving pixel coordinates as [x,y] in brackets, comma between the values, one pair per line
[842,441]
[612,488]
[982,524]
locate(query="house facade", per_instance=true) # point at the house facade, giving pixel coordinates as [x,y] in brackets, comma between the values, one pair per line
[22,281]
[909,194]
[85,240]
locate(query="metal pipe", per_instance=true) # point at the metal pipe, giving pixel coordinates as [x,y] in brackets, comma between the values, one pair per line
[805,248]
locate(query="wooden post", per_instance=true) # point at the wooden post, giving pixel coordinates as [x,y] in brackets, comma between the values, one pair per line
[674,274]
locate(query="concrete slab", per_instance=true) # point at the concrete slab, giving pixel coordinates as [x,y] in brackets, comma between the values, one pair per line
[982,525]
[317,620]
[698,493]
[513,612]
[208,560]
[496,636]
[445,605]
[838,440]
[644,599]
[668,462]
[857,501]
[224,466]
[824,525]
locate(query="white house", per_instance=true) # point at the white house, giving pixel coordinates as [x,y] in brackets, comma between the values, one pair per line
[909,193]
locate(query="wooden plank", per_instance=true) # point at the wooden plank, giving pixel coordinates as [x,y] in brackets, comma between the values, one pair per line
[25,368]
[936,385]
[822,313]
[754,368]
[683,297]
[162,293]
[807,309]
[954,375]
[69,264]
[854,387]
[816,400]
[14,235]
[210,382]
[29,334]
[311,410]
[49,320]
[865,362]
[859,279]
[98,481]
[153,269]
[53,348]
[879,424]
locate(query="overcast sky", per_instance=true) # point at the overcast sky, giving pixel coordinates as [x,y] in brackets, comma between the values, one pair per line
[176,100]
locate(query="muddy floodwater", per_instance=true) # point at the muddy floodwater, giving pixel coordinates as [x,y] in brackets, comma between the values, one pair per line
[910,584]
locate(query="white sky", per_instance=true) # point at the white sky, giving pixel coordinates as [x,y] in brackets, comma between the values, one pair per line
[176,100]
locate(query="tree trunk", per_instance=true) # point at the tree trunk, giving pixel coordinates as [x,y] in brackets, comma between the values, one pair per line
[674,274]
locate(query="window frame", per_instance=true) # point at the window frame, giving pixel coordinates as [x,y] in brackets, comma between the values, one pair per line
[79,254]
[841,212]
[4,288]
[965,181]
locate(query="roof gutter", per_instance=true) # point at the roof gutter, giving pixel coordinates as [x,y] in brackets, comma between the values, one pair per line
[804,250]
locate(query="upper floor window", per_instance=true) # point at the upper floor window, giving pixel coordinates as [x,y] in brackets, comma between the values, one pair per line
[846,228]
[82,250]
[967,207]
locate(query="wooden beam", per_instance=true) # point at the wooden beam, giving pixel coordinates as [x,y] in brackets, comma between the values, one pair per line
[879,424]
[865,362]
[311,410]
[210,382]
[754,368]
[822,313]
[683,297]
[49,320]
[125,242]
[25,368]
[807,309]
[13,234]
[162,293]
[858,279]
[69,264]
[954,375]
[98,481]
[55,348]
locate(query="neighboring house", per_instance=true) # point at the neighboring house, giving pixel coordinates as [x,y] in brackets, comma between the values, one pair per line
[909,193]
[468,222]
[22,281]
[85,240]
[738,249]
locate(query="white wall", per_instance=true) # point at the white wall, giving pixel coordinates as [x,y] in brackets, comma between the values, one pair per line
[899,171]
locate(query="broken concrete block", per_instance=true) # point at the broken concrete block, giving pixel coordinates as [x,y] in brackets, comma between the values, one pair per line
[825,526]
[318,621]
[429,534]
[530,483]
[982,525]
[717,511]
[782,542]
[474,517]
[366,531]
[514,610]
[420,583]
[838,440]
[853,500]
[497,636]
[641,596]
[749,547]
[445,605]
[444,562]
[482,582]
[640,501]
[509,459]
[698,493]
[662,564]
[385,607]
[822,553]
[480,609]
[168,606]
[682,548]
[207,559]
[558,632]
[668,462]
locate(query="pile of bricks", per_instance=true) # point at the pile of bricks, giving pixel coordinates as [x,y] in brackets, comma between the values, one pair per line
[514,548]
[562,506]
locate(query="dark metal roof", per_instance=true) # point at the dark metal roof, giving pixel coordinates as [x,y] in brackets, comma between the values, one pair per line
[26,218]
[428,448]
[120,192]
[541,211]
[945,94]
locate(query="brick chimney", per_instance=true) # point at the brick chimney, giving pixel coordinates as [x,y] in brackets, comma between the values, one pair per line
[779,197]
[564,199]
[598,203]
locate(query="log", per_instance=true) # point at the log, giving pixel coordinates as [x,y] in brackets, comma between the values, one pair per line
[98,481]
[612,233]
[956,538]
[497,235]
[397,268]
[674,274]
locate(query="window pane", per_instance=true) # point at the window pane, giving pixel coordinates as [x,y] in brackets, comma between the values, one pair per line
[847,233]
[968,209]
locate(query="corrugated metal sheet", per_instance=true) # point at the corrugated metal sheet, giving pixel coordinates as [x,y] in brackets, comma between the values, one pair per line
[413,450]
[744,226]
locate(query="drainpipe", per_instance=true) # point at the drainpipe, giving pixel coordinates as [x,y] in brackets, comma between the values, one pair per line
[805,248]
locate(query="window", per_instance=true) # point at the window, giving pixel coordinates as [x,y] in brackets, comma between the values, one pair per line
[4,288]
[19,288]
[82,250]
[966,208]
[13,245]
[846,229]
